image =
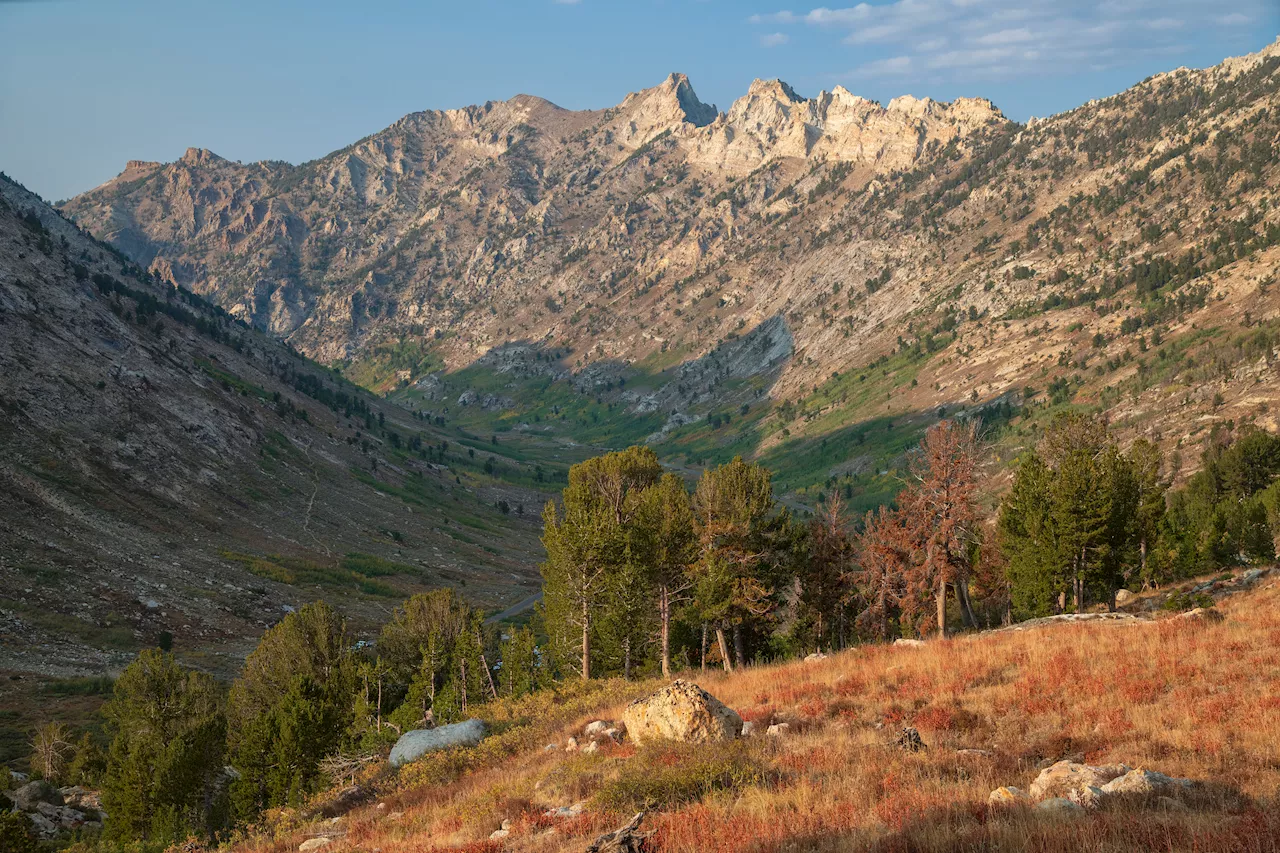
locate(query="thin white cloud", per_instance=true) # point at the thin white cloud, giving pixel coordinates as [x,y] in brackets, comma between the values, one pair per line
[774,39]
[994,39]
[893,67]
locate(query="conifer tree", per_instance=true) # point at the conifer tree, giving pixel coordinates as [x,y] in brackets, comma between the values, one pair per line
[168,729]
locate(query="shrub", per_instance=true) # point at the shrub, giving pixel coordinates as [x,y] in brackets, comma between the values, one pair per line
[672,774]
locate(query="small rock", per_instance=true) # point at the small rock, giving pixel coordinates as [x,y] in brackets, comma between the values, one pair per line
[748,728]
[506,824]
[591,747]
[1058,805]
[912,644]
[975,753]
[314,844]
[566,811]
[1169,804]
[595,728]
[1123,596]
[1089,797]
[778,729]
[816,656]
[1008,796]
[571,745]
[551,747]
[1203,615]
[499,834]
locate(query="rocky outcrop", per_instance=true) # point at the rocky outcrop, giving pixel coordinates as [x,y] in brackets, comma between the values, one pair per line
[681,711]
[414,744]
[1066,777]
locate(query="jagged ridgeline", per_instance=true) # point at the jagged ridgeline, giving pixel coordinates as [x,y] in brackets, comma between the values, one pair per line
[805,281]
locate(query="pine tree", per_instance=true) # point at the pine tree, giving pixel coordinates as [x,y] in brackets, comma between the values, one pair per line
[168,728]
[884,548]
[667,544]
[825,585]
[290,708]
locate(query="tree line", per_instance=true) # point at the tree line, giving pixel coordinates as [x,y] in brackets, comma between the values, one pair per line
[644,576]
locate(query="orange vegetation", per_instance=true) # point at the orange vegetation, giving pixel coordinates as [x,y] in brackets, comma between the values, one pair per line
[1185,697]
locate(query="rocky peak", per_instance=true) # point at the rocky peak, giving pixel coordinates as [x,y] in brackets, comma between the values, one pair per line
[669,106]
[200,157]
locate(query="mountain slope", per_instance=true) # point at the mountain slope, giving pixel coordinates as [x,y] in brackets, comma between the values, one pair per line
[889,260]
[167,469]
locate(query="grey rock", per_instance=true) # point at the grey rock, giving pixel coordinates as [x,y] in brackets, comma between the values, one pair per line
[31,794]
[412,745]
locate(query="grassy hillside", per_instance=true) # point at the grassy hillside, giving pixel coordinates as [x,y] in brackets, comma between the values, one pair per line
[1188,697]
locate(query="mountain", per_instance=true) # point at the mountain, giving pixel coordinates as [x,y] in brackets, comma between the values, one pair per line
[169,471]
[821,274]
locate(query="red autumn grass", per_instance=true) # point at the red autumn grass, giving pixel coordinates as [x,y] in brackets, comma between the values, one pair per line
[1185,698]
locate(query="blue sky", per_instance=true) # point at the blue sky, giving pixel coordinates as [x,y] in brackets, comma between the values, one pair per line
[87,84]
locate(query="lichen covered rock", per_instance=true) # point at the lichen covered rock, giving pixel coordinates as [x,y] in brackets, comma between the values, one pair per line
[681,711]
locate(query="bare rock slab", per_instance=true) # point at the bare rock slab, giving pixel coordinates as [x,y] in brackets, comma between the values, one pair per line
[414,744]
[681,711]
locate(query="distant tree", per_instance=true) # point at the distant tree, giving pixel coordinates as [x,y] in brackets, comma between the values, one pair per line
[51,751]
[884,547]
[164,768]
[665,542]
[89,764]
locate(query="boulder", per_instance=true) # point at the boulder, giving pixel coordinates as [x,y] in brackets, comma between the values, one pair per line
[911,644]
[1147,783]
[778,729]
[81,798]
[681,711]
[32,794]
[910,740]
[412,745]
[1123,597]
[314,844]
[595,728]
[813,658]
[1061,779]
[1202,615]
[748,728]
[1008,796]
[1059,806]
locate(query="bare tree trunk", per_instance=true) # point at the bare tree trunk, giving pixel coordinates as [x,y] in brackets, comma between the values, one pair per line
[586,642]
[463,664]
[664,619]
[379,700]
[724,648]
[493,690]
[739,647]
[942,609]
[704,646]
[966,608]
[626,658]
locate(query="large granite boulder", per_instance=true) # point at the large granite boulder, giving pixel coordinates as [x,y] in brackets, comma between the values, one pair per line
[30,795]
[412,745]
[681,711]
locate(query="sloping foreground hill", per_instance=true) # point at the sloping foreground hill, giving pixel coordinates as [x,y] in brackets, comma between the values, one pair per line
[1190,697]
[166,470]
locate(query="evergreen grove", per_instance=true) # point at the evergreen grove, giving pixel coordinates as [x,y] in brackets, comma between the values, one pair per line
[643,576]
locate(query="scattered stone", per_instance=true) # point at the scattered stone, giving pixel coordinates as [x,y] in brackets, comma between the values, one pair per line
[910,740]
[1059,806]
[591,747]
[571,745]
[1089,797]
[778,729]
[1008,796]
[499,834]
[681,711]
[1147,783]
[912,644]
[1123,597]
[595,728]
[566,811]
[551,747]
[816,656]
[44,827]
[314,844]
[412,745]
[975,753]
[748,728]
[81,798]
[1063,777]
[1203,615]
[32,794]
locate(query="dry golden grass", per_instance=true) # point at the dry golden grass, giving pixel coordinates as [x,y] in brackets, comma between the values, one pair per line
[1180,696]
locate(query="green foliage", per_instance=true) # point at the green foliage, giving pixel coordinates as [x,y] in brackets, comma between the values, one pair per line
[15,833]
[163,770]
[290,707]
[667,776]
